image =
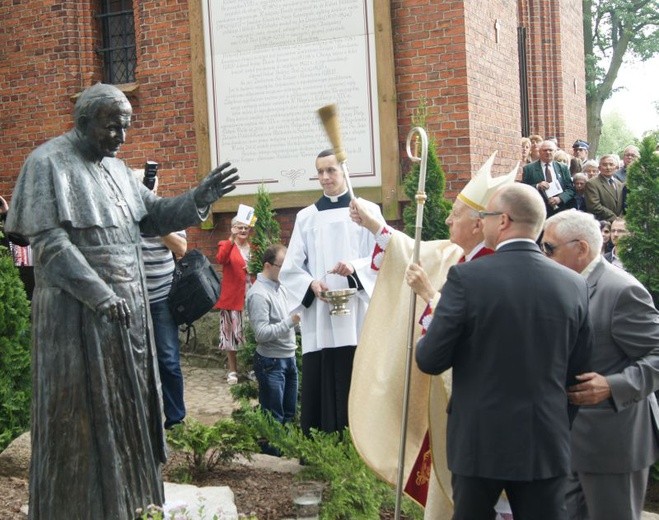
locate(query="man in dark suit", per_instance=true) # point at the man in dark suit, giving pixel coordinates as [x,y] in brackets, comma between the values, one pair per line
[613,439]
[604,194]
[552,179]
[514,327]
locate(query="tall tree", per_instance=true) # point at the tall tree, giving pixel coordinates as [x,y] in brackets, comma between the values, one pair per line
[614,30]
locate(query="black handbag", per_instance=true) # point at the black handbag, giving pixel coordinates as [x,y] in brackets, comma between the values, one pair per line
[195,288]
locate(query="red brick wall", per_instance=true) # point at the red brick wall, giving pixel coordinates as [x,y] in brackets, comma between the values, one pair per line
[43,47]
[431,64]
[444,52]
[493,78]
[574,75]
[447,53]
[556,59]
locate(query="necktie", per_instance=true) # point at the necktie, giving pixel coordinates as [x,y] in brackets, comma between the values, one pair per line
[547,173]
[613,185]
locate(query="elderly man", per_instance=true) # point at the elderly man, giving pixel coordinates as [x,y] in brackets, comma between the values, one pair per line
[496,326]
[551,178]
[380,347]
[590,168]
[604,195]
[580,179]
[613,438]
[629,155]
[97,433]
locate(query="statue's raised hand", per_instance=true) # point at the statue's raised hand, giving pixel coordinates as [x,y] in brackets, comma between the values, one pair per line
[217,183]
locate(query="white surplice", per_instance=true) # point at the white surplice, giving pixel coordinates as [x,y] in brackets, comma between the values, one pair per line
[321,238]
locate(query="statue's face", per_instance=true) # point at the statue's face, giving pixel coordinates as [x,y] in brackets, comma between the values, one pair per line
[106,132]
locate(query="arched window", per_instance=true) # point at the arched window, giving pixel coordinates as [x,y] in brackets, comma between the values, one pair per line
[118,32]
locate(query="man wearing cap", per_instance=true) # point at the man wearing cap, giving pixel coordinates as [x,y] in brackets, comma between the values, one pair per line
[579,155]
[380,347]
[497,325]
[551,178]
[613,438]
[328,251]
[604,195]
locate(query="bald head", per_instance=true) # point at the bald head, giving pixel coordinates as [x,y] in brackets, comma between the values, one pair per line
[515,211]
[525,207]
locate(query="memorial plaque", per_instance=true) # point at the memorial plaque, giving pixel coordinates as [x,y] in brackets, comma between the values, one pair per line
[269,67]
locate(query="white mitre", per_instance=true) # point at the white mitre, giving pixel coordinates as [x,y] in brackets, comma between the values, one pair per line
[479,190]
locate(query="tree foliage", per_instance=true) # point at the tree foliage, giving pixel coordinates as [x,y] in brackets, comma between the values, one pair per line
[15,382]
[640,249]
[614,31]
[616,135]
[266,230]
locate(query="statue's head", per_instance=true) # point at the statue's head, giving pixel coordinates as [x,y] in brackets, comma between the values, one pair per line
[102,116]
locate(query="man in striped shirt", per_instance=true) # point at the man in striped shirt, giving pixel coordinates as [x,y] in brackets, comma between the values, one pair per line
[159,269]
[158,254]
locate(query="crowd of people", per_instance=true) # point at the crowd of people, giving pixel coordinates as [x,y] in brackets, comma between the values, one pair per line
[553,351]
[597,186]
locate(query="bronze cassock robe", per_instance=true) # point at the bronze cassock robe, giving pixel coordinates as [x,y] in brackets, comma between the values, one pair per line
[97,437]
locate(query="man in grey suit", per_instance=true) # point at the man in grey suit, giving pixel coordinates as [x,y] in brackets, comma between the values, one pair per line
[514,327]
[552,179]
[613,437]
[604,193]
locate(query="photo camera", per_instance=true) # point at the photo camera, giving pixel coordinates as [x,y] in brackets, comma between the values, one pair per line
[150,174]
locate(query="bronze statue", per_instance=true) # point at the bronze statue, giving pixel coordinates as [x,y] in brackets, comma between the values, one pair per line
[97,434]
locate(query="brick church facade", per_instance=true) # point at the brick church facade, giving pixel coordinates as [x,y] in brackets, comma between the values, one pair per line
[490,72]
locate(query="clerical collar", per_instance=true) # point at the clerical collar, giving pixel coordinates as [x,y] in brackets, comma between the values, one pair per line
[333,202]
[335,198]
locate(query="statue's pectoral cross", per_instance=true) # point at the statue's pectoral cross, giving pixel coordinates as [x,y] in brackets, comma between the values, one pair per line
[121,204]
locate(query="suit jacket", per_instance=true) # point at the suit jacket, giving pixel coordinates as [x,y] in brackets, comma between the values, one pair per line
[534,174]
[618,435]
[514,327]
[575,165]
[602,200]
[234,277]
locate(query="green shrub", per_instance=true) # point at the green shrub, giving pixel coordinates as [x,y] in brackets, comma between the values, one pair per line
[205,447]
[639,250]
[436,207]
[266,230]
[353,491]
[15,382]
